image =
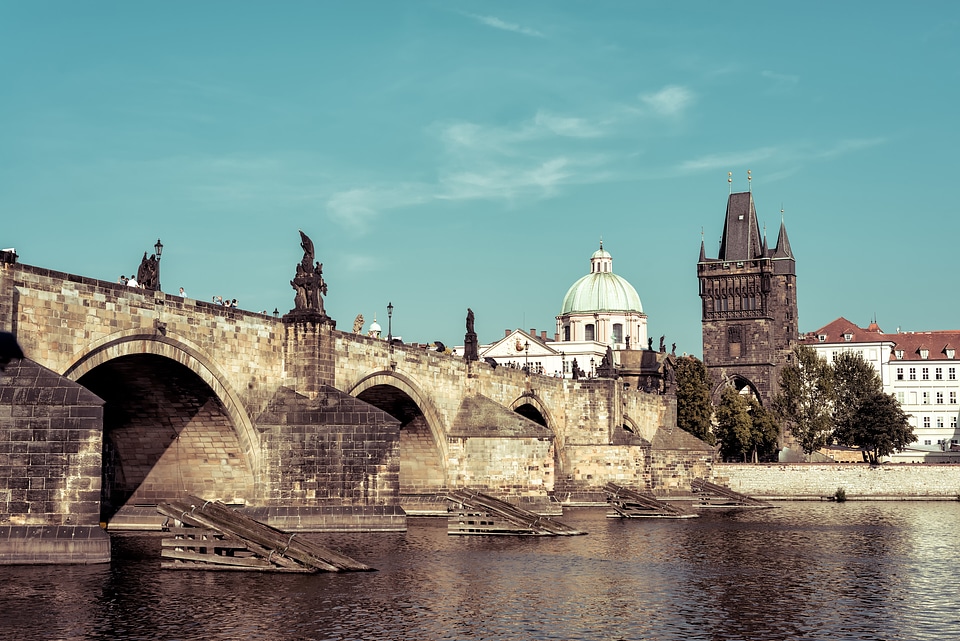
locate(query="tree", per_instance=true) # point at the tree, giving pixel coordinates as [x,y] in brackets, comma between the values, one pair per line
[806,398]
[694,409]
[880,427]
[765,432]
[734,425]
[855,382]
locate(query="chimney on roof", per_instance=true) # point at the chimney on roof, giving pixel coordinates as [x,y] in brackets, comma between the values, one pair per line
[506,333]
[543,335]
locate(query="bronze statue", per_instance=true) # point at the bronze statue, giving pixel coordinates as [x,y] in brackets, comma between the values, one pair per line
[148,272]
[308,282]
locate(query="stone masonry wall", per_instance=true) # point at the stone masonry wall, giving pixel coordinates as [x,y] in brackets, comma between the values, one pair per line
[859,480]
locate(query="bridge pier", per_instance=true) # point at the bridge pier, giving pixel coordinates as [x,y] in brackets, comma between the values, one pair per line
[50,453]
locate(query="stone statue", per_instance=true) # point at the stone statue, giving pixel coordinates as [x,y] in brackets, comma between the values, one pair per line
[650,343]
[358,324]
[663,346]
[309,285]
[148,272]
[673,348]
[471,347]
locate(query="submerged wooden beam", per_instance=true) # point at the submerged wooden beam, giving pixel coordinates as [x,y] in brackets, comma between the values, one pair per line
[630,504]
[719,496]
[483,514]
[222,535]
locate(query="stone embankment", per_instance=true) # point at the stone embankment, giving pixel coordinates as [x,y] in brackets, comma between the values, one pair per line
[809,481]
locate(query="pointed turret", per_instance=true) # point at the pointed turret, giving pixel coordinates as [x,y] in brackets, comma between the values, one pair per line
[741,230]
[783,244]
[703,252]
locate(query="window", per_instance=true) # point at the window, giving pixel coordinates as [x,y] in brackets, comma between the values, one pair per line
[926,398]
[949,352]
[899,354]
[952,373]
[926,422]
[926,373]
[822,338]
[588,332]
[924,352]
[938,373]
[953,398]
[926,442]
[939,398]
[848,337]
[953,422]
[899,373]
[913,373]
[900,397]
[566,333]
[617,332]
[939,421]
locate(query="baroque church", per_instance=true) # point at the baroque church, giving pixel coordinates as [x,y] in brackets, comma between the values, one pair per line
[749,304]
[601,331]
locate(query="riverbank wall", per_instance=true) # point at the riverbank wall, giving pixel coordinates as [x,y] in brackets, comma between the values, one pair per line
[811,481]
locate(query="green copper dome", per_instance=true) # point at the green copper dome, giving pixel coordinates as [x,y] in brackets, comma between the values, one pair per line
[601,290]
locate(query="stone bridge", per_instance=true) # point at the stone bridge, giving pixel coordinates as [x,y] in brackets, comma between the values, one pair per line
[127,397]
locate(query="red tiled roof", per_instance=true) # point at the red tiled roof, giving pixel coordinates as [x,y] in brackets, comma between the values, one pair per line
[909,343]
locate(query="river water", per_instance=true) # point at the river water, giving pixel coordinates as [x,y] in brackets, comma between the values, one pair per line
[855,570]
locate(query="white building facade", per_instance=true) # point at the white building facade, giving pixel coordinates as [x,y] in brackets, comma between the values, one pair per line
[919,368]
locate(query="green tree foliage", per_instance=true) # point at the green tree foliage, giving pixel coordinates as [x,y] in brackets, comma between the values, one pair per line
[694,409]
[880,428]
[734,426]
[765,432]
[855,382]
[805,401]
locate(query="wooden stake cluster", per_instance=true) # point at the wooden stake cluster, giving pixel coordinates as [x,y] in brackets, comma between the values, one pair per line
[477,513]
[630,504]
[713,495]
[215,536]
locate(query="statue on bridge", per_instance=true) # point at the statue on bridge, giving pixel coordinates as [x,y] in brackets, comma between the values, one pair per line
[148,274]
[470,345]
[310,287]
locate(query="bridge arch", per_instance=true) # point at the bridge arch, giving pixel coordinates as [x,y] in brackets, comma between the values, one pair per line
[531,406]
[423,465]
[136,342]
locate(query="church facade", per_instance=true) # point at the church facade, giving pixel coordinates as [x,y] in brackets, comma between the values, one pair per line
[748,295]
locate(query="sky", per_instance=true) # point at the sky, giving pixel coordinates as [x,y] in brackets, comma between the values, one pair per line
[451,154]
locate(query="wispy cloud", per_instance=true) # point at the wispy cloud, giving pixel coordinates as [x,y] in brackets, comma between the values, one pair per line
[781,156]
[781,82]
[497,23]
[669,101]
[729,159]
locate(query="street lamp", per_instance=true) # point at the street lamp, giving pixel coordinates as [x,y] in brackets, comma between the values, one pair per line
[563,365]
[389,322]
[158,250]
[592,372]
[526,356]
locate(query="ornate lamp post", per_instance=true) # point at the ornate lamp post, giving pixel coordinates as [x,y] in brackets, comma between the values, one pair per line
[526,356]
[563,365]
[592,372]
[389,322]
[158,250]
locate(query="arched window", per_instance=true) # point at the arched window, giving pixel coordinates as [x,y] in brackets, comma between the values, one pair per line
[617,333]
[588,332]
[566,333]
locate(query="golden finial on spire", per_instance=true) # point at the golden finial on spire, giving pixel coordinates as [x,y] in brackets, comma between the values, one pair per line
[730,180]
[749,178]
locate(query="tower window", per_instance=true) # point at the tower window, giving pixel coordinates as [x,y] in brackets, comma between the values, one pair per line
[588,331]
[566,333]
[617,332]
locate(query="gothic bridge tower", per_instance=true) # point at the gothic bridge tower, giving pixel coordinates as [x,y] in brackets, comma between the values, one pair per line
[749,296]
